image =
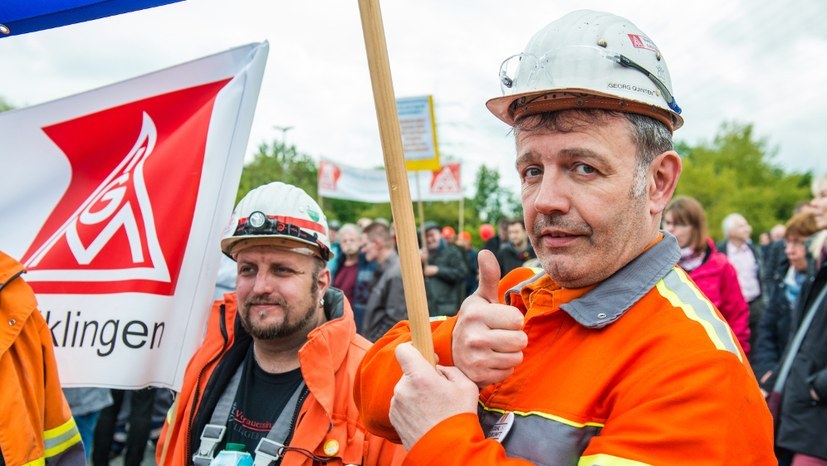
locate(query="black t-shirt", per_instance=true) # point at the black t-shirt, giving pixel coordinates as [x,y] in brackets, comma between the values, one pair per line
[259,400]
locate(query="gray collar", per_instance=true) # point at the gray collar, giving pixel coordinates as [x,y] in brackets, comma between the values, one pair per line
[609,300]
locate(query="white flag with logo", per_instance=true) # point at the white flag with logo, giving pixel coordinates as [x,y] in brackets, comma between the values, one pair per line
[114,201]
[339,181]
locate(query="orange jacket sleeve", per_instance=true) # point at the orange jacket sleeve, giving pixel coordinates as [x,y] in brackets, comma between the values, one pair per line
[459,441]
[379,372]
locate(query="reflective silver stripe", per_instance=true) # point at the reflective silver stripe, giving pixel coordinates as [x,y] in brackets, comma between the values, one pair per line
[56,444]
[678,289]
[540,438]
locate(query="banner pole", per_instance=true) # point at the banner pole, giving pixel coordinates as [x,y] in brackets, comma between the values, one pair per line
[461,222]
[385,102]
[421,213]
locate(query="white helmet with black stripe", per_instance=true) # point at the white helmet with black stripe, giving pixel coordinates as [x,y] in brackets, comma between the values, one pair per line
[281,215]
[589,60]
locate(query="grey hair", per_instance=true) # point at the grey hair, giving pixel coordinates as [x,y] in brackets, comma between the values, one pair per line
[349,227]
[729,222]
[650,136]
[819,185]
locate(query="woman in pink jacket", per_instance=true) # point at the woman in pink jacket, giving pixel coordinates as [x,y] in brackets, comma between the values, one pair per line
[684,218]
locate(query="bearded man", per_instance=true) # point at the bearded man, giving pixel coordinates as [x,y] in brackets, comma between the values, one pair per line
[275,370]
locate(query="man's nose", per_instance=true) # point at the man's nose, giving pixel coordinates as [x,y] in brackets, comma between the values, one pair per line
[552,196]
[263,284]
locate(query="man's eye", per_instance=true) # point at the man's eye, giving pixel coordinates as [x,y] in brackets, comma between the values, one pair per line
[584,169]
[531,172]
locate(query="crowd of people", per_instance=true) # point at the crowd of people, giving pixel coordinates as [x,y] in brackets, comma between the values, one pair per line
[605,326]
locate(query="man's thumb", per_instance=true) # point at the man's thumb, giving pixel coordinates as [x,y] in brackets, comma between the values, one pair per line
[409,358]
[489,276]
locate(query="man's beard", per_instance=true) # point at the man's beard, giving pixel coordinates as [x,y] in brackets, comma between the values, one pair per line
[279,330]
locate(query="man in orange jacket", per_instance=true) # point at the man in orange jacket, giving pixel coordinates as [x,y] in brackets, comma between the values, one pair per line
[610,355]
[36,426]
[275,371]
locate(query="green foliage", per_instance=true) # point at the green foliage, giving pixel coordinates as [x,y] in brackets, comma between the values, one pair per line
[735,173]
[278,162]
[491,201]
[5,105]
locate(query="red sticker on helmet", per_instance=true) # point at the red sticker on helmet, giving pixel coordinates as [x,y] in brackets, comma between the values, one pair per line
[642,42]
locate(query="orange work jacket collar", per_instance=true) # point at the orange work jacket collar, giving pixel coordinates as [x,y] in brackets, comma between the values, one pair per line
[17,307]
[601,304]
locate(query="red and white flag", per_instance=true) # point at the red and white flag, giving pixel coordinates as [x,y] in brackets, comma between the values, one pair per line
[114,200]
[340,181]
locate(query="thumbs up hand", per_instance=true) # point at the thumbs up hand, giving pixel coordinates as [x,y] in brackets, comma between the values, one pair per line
[488,339]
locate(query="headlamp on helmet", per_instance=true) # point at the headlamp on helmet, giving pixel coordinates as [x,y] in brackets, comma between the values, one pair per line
[280,215]
[260,224]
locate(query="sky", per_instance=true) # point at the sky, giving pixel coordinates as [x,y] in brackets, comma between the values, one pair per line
[759,61]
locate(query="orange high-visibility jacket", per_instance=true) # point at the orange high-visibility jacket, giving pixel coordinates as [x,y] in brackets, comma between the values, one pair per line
[36,426]
[639,369]
[328,424]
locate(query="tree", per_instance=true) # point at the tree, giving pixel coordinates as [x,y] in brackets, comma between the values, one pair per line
[493,202]
[278,162]
[735,173]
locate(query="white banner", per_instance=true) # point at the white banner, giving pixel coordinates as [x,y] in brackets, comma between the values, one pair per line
[341,181]
[114,200]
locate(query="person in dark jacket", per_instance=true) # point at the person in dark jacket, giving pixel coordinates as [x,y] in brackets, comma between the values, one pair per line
[783,291]
[472,277]
[802,421]
[517,250]
[444,270]
[493,244]
[386,304]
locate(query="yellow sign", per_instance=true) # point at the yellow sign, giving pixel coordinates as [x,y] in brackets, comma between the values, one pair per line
[418,127]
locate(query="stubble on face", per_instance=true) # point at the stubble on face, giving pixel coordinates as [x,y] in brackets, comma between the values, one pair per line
[598,255]
[295,319]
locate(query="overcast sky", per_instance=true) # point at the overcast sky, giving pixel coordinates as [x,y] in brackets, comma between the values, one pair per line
[758,61]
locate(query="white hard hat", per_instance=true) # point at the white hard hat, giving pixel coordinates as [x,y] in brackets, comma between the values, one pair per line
[281,215]
[587,59]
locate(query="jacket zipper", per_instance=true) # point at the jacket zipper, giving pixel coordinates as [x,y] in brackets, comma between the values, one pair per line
[299,403]
[197,395]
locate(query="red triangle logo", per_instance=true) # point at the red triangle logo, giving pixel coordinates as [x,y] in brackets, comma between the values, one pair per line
[123,223]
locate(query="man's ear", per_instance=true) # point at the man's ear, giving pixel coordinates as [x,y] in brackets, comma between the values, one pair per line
[664,173]
[323,280]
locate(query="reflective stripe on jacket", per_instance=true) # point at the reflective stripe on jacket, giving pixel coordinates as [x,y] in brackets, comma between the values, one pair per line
[328,415]
[37,427]
[718,280]
[639,369]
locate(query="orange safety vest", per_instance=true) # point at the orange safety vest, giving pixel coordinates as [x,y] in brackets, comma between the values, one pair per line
[36,425]
[328,424]
[639,369]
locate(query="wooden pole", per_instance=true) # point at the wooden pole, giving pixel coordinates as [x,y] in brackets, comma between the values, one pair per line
[421,213]
[400,192]
[461,214]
